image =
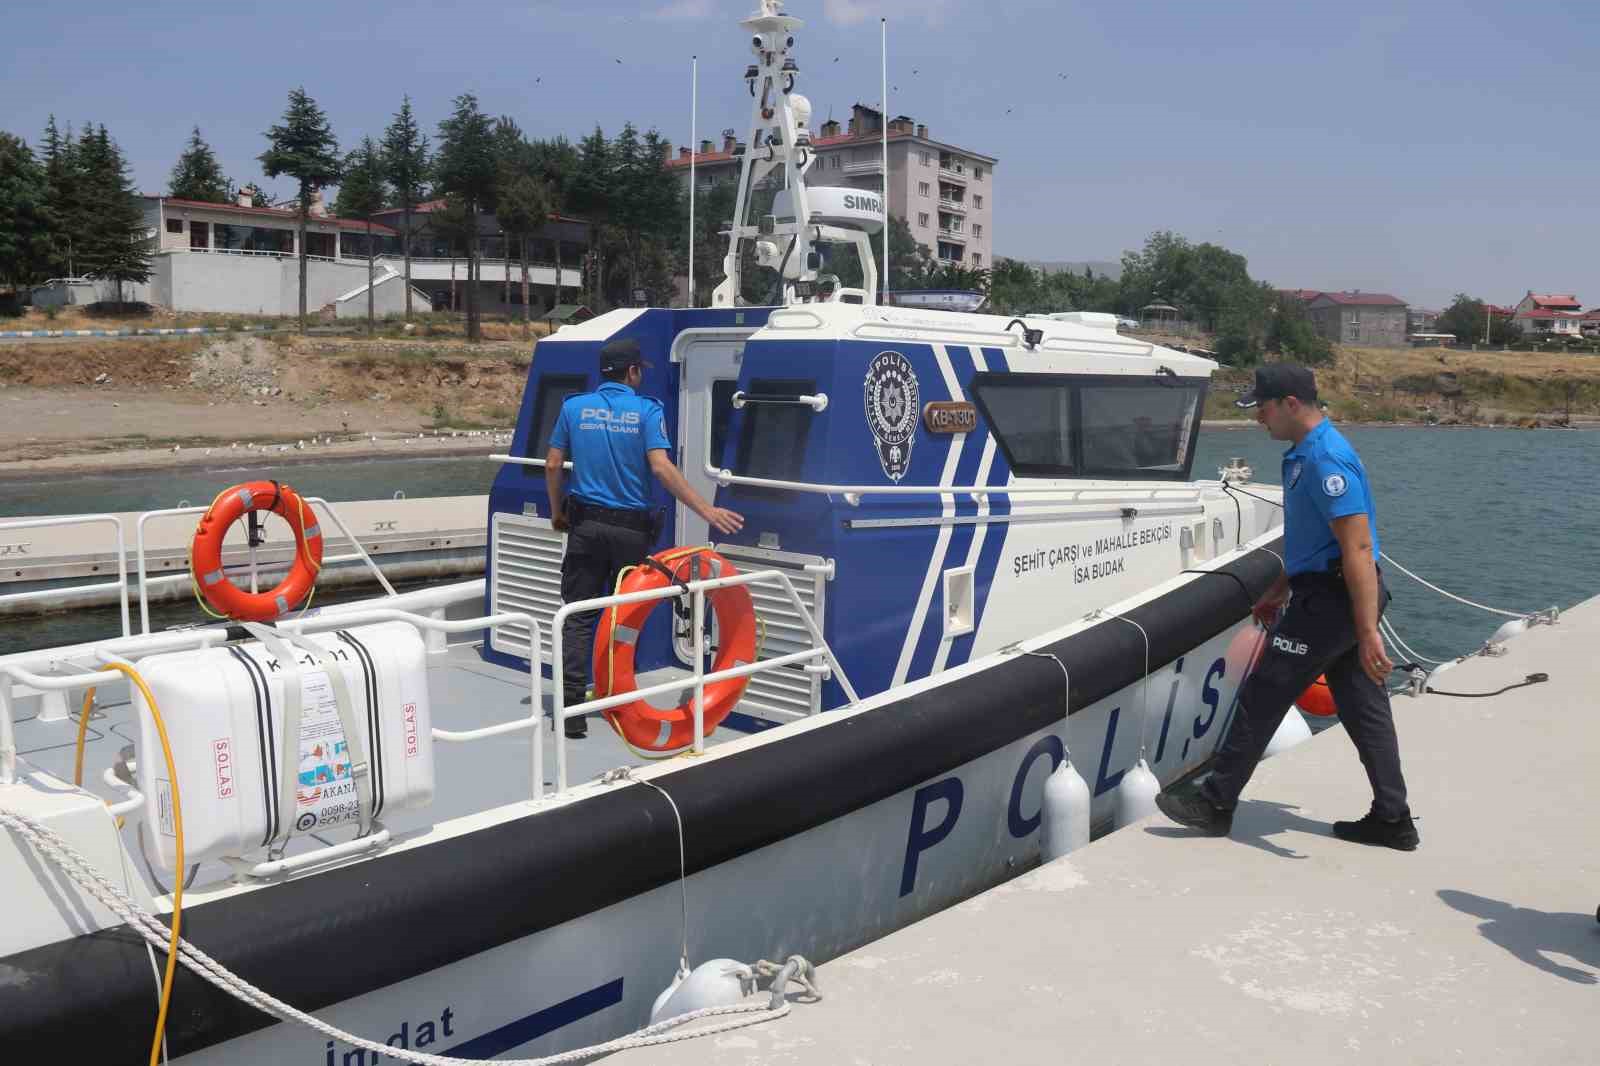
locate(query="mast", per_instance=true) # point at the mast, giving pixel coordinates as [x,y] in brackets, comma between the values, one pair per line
[779,147]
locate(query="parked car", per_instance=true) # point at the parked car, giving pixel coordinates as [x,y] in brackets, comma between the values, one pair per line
[1127,323]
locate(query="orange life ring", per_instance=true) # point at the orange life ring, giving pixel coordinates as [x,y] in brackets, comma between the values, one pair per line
[617,638]
[1317,699]
[205,553]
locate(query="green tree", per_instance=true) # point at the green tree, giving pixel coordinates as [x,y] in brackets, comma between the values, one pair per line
[1290,332]
[712,210]
[554,163]
[590,194]
[524,209]
[1465,317]
[24,219]
[198,176]
[1016,288]
[63,202]
[363,192]
[911,264]
[645,198]
[118,246]
[406,167]
[303,147]
[466,170]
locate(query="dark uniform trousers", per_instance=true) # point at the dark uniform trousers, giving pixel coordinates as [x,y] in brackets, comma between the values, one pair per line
[1315,635]
[597,551]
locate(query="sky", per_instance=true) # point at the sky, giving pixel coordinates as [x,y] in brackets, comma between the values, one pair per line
[1421,148]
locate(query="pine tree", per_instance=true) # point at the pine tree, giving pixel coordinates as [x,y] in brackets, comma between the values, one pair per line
[117,245]
[362,194]
[304,148]
[63,214]
[466,170]
[406,166]
[198,176]
[590,193]
[523,210]
[24,224]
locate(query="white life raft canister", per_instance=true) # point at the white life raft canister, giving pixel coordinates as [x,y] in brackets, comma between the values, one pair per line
[224,710]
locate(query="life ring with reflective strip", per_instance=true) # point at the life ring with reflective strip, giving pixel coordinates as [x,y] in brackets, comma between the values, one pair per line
[205,553]
[1317,699]
[617,639]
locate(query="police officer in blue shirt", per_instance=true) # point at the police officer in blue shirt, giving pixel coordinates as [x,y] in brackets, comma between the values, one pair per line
[1323,616]
[617,440]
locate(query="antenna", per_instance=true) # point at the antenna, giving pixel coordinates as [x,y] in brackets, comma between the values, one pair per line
[694,147]
[883,124]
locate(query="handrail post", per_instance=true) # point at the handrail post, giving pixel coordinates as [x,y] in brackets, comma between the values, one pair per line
[699,671]
[8,735]
[558,702]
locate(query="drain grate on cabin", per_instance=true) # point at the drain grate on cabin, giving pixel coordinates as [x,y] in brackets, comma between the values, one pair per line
[524,575]
[789,691]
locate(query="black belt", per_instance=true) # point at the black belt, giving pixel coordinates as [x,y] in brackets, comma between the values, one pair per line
[1334,572]
[584,511]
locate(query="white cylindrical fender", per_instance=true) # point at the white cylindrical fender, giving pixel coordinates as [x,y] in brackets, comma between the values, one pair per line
[1064,812]
[1135,796]
[1291,731]
[1511,629]
[717,983]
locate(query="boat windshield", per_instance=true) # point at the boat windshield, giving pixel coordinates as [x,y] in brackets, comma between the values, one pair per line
[1100,427]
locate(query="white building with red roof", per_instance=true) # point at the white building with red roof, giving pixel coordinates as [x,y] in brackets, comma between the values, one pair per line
[1553,312]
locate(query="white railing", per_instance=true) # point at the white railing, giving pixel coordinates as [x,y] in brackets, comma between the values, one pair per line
[145,582]
[696,591]
[951,205]
[853,494]
[869,166]
[120,584]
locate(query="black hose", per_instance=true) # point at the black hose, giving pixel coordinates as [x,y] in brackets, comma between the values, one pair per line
[1531,679]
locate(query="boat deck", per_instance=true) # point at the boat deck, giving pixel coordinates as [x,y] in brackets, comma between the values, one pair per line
[1283,943]
[466,693]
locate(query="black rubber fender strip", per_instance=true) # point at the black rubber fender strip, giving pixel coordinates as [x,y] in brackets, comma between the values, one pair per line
[345,932]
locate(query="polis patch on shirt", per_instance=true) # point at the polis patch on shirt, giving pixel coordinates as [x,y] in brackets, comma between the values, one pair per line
[892,410]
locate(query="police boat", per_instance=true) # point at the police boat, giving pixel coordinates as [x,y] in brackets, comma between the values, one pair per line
[974,559]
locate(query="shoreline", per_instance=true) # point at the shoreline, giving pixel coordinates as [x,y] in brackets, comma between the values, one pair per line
[151,460]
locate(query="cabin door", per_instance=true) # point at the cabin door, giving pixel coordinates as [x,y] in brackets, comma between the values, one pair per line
[710,377]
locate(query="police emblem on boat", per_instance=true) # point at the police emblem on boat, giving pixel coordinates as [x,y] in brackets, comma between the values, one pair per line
[892,410]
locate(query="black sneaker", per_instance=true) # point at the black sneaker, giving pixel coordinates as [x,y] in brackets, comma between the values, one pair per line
[576,728]
[1195,811]
[1400,834]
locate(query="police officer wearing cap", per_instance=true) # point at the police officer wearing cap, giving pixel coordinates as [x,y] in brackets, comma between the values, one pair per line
[617,440]
[1323,612]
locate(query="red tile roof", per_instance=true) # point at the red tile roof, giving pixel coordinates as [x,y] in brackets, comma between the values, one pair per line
[1364,299]
[1306,295]
[1554,299]
[283,214]
[1549,313]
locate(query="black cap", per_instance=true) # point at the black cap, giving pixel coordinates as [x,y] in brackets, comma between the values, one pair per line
[1279,380]
[619,355]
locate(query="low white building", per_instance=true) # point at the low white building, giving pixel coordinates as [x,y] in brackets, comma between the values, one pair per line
[241,258]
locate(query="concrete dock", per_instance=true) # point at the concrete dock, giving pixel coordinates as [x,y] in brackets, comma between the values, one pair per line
[1281,944]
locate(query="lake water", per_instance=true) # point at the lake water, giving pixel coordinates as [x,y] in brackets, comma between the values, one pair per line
[1505,517]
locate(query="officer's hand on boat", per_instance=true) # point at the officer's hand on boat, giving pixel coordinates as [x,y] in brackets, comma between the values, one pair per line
[1267,610]
[724,520]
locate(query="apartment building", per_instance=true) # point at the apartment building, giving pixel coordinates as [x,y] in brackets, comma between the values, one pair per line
[944,192]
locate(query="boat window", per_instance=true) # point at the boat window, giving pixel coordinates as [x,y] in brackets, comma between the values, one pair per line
[1085,426]
[1138,429]
[554,389]
[773,441]
[721,416]
[1031,417]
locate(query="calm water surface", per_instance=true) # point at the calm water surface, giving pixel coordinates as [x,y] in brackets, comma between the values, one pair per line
[1505,517]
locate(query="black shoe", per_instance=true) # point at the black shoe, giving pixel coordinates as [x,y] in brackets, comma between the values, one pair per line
[1400,834]
[1195,811]
[576,728]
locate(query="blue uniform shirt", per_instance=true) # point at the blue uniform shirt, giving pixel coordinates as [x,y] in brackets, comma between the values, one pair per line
[606,434]
[1323,479]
